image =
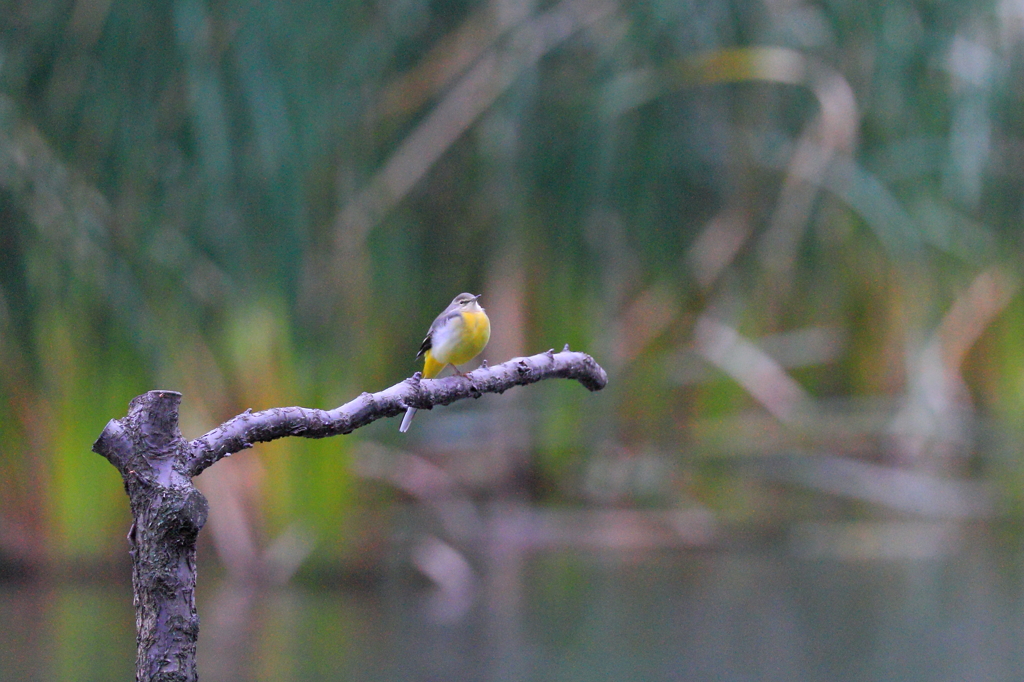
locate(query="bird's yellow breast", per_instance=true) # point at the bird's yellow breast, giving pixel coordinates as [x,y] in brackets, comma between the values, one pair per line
[462,339]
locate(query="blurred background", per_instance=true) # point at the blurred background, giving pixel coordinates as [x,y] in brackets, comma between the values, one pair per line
[789,230]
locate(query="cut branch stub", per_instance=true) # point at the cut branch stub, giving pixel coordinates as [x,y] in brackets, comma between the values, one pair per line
[168,513]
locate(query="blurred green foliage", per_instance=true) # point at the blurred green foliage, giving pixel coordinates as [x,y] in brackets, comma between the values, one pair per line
[263,204]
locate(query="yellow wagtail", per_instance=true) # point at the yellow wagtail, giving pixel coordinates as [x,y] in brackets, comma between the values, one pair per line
[456,336]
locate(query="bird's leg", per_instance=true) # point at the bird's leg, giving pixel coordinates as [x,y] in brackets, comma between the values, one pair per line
[457,371]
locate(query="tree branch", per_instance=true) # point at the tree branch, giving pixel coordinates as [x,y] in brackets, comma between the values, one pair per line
[249,428]
[158,464]
[167,515]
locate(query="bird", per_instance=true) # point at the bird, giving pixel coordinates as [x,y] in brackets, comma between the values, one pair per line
[457,336]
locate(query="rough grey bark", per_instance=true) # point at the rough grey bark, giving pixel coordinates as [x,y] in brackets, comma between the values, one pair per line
[157,465]
[167,511]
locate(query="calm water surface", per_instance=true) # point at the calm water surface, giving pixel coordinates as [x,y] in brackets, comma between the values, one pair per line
[768,612]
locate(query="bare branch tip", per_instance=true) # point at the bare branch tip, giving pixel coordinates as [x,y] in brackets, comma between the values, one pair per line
[566,349]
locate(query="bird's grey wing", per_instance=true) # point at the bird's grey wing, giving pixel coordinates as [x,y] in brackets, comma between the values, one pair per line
[450,313]
[427,343]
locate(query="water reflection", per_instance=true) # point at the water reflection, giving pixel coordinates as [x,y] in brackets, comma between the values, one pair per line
[66,631]
[751,611]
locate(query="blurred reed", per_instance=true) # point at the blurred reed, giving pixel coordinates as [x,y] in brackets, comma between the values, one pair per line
[784,228]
